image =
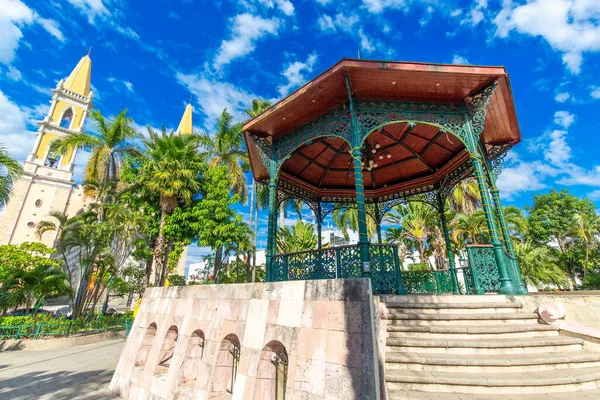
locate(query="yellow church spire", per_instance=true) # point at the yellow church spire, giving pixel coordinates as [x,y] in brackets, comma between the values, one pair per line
[185,126]
[79,80]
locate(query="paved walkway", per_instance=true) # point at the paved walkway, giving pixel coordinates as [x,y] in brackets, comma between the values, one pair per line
[81,372]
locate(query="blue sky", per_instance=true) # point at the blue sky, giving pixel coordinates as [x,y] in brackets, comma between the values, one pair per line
[150,56]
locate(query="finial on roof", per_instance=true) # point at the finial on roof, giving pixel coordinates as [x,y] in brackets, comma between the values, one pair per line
[89,51]
[359,54]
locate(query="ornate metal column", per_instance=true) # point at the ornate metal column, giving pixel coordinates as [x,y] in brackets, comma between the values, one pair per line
[272,223]
[451,261]
[378,223]
[363,239]
[319,225]
[506,284]
[494,168]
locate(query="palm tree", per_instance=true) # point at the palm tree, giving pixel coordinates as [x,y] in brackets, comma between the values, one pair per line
[226,147]
[345,217]
[516,221]
[468,228]
[109,145]
[539,264]
[416,226]
[300,237]
[465,197]
[171,168]
[10,171]
[586,228]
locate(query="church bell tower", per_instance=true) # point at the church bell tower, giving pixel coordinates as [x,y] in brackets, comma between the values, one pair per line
[47,183]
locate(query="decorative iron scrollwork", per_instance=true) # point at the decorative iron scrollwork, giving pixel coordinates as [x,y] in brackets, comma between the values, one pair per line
[477,107]
[264,149]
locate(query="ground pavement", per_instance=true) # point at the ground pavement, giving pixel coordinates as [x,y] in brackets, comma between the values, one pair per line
[81,372]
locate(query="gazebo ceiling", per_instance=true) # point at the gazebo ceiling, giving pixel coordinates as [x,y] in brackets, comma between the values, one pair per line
[402,154]
[417,154]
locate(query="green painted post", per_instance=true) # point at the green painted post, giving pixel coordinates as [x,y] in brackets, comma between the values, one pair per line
[38,330]
[271,228]
[286,267]
[18,331]
[397,267]
[69,329]
[506,284]
[363,239]
[105,304]
[451,261]
[378,223]
[319,226]
[338,262]
[507,239]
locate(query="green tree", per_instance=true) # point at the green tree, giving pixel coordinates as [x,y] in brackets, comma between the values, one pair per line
[465,198]
[539,264]
[415,225]
[226,147]
[28,276]
[109,145]
[211,219]
[171,168]
[10,171]
[551,219]
[176,280]
[345,218]
[300,237]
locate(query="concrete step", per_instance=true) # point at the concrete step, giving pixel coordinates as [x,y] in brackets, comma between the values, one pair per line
[497,346]
[397,318]
[475,363]
[495,383]
[454,308]
[413,395]
[471,332]
[447,298]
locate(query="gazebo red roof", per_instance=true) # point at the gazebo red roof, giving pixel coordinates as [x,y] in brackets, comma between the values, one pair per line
[425,153]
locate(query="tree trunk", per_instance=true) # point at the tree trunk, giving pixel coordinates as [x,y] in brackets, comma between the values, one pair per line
[282,214]
[148,273]
[129,298]
[218,264]
[159,251]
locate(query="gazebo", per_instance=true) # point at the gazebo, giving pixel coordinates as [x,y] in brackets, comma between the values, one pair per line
[375,134]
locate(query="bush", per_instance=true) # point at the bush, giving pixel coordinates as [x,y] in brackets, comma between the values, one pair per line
[25,319]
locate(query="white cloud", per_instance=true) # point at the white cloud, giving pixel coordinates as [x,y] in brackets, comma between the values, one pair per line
[326,23]
[14,15]
[14,132]
[476,15]
[594,196]
[520,177]
[295,72]
[128,32]
[569,26]
[348,24]
[595,92]
[214,96]
[459,60]
[119,85]
[13,73]
[246,30]
[377,6]
[575,175]
[52,27]
[366,43]
[91,8]
[564,118]
[561,97]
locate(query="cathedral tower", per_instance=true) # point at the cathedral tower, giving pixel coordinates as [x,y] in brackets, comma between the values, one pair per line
[185,128]
[47,183]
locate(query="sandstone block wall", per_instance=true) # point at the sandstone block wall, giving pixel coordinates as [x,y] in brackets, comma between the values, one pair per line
[184,342]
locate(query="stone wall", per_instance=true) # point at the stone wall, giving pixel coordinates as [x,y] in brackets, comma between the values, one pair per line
[579,308]
[184,340]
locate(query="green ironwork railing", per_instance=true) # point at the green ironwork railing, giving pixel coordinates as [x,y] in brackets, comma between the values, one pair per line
[485,277]
[342,262]
[428,282]
[66,328]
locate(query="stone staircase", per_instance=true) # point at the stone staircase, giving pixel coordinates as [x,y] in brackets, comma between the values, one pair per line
[481,347]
